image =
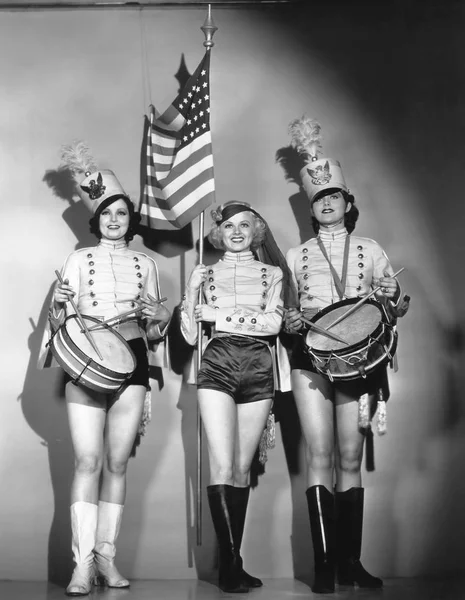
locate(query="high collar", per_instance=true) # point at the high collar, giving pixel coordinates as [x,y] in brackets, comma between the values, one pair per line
[238,257]
[108,244]
[331,236]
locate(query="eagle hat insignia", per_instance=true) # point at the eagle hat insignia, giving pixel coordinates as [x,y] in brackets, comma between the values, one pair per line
[95,189]
[321,175]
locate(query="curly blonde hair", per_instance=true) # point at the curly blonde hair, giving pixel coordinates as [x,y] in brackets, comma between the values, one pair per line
[216,234]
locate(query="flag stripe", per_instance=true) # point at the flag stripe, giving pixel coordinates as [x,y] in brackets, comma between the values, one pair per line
[179,181]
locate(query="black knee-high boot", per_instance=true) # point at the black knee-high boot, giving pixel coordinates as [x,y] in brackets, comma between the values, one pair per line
[240,502]
[230,564]
[349,510]
[322,525]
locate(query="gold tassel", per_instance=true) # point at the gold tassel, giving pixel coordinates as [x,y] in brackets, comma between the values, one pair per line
[267,440]
[146,413]
[381,425]
[363,412]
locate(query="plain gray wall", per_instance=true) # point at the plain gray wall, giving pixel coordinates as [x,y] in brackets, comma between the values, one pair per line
[386,83]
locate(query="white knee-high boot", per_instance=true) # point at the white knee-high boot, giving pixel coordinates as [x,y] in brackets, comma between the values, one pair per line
[109,522]
[83,529]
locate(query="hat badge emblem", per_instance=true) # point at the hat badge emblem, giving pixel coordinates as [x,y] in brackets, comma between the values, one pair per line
[95,189]
[321,174]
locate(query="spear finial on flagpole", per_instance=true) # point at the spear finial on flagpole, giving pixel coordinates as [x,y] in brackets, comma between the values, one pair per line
[209,29]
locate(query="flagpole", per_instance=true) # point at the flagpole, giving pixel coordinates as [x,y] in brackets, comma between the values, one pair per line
[208,29]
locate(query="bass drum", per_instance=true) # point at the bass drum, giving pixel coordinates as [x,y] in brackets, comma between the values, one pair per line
[77,357]
[372,340]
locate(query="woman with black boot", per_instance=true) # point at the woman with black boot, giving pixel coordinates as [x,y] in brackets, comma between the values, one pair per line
[236,380]
[333,412]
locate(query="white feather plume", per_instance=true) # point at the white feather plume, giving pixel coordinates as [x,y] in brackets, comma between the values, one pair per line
[78,159]
[306,136]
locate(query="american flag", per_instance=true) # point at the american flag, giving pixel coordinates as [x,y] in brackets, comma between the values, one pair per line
[179,182]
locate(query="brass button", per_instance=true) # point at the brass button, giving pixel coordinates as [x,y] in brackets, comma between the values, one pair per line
[139,285]
[361,265]
[241,319]
[91,263]
[359,247]
[213,298]
[360,276]
[94,303]
[212,287]
[89,256]
[264,283]
[139,275]
[136,259]
[253,321]
[360,256]
[305,267]
[92,272]
[305,258]
[91,282]
[305,250]
[228,319]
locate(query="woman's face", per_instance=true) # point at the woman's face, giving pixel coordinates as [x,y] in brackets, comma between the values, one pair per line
[238,232]
[114,220]
[329,210]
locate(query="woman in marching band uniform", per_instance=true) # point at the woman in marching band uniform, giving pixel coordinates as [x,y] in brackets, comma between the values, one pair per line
[105,281]
[236,380]
[333,266]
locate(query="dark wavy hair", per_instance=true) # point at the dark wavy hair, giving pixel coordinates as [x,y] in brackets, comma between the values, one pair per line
[350,218]
[134,218]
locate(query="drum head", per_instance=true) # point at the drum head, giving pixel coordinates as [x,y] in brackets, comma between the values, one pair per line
[354,329]
[116,353]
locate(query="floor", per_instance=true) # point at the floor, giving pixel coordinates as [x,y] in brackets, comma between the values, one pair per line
[273,589]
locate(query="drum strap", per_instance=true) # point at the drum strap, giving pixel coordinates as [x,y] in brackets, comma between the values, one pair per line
[340,283]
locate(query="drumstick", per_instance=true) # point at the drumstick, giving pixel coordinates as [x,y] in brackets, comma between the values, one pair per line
[362,301]
[125,314]
[85,330]
[319,329]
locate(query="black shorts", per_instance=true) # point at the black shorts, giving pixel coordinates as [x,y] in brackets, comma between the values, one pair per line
[241,367]
[140,375]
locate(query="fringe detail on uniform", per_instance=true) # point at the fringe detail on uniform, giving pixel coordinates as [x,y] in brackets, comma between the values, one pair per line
[146,413]
[363,412]
[381,413]
[268,439]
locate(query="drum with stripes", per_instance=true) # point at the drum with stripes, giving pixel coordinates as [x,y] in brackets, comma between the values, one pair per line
[74,352]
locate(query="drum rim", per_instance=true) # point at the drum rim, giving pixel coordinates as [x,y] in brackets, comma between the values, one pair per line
[82,356]
[371,368]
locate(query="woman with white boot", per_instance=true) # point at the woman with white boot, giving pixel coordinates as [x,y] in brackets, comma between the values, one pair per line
[102,283]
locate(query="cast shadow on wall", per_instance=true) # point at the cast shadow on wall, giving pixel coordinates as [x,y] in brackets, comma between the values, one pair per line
[285,408]
[44,408]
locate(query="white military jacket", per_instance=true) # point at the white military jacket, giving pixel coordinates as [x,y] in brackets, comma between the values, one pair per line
[108,280]
[313,278]
[245,293]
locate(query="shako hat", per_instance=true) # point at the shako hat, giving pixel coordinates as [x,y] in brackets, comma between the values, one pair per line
[318,174]
[94,186]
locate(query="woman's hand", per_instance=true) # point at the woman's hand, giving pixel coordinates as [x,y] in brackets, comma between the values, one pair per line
[154,311]
[292,321]
[389,286]
[198,276]
[203,312]
[63,293]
